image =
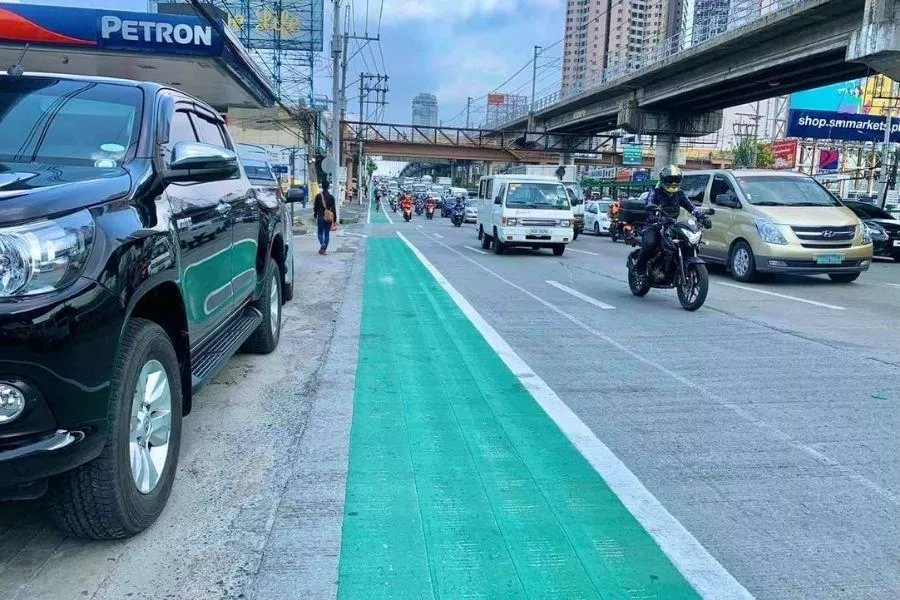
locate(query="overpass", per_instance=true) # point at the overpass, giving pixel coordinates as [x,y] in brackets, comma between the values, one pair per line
[784,46]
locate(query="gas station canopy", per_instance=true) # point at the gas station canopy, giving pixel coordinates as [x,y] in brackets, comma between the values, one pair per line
[182,51]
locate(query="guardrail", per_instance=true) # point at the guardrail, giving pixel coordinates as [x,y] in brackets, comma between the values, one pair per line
[703,30]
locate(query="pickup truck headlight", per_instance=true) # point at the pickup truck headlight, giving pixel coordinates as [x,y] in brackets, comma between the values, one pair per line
[44,255]
[508,222]
[769,233]
[565,223]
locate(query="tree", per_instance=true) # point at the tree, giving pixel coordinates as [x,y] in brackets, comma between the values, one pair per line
[742,154]
[765,157]
[371,167]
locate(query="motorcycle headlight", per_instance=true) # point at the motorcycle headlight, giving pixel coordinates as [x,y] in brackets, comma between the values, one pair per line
[693,237]
[44,255]
[565,223]
[769,233]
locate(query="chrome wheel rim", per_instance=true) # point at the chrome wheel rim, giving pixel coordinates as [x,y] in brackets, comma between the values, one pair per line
[741,263]
[151,426]
[274,305]
[690,287]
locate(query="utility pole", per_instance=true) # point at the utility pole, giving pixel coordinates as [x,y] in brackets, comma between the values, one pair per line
[359,142]
[537,52]
[468,110]
[337,105]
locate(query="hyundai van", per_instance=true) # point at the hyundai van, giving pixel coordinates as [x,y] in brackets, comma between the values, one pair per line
[778,222]
[529,211]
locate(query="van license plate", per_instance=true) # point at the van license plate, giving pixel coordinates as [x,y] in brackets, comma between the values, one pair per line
[829,259]
[538,231]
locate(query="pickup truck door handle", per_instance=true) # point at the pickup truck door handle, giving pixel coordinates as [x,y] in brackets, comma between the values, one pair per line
[223,209]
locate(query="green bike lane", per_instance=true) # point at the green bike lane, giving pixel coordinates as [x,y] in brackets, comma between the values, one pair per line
[377,217]
[459,484]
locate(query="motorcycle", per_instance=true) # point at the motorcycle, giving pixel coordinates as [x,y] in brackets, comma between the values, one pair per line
[393,205]
[458,216]
[677,264]
[619,229]
[429,211]
[420,206]
[407,214]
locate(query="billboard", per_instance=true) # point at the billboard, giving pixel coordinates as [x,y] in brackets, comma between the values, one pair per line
[854,111]
[293,25]
[632,154]
[785,152]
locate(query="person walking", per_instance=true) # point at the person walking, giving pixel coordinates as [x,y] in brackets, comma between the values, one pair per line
[324,210]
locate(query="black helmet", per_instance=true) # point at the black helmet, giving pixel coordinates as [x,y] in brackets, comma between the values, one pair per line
[670,179]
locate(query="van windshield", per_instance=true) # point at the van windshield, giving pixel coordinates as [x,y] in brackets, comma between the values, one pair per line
[777,190]
[537,195]
[78,123]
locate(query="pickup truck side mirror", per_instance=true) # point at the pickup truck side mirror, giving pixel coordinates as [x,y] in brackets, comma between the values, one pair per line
[295,195]
[198,162]
[728,201]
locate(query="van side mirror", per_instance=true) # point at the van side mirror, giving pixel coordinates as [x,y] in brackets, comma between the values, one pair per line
[728,201]
[198,162]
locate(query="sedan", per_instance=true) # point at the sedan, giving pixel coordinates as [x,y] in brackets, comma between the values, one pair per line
[883,228]
[471,211]
[596,219]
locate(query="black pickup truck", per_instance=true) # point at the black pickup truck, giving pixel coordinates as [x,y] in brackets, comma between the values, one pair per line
[135,260]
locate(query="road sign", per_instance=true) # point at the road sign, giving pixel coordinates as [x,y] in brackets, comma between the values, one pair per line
[632,154]
[342,175]
[329,164]
[280,169]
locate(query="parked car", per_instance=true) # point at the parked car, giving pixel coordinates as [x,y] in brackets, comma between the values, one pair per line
[778,222]
[523,210]
[135,259]
[884,229]
[596,217]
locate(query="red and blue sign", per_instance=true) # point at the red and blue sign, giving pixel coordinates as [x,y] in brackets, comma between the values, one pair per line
[108,30]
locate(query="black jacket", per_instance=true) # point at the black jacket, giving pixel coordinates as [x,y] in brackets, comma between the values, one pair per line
[320,205]
[670,203]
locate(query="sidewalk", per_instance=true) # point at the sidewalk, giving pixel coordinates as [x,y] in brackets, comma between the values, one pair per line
[459,484]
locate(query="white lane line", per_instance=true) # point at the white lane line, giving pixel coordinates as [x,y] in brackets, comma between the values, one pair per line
[738,410]
[896,285]
[418,226]
[571,249]
[387,216]
[785,296]
[579,295]
[696,564]
[474,249]
[369,214]
[360,235]
[437,235]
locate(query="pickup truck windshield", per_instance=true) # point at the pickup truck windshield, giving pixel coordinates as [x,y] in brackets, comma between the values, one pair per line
[778,190]
[65,122]
[537,195]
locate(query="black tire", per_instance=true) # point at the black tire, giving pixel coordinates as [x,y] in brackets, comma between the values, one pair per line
[740,271]
[597,229]
[99,500]
[499,247]
[614,234]
[559,249]
[485,240]
[844,277]
[265,339]
[574,234]
[287,293]
[480,233]
[638,288]
[702,281]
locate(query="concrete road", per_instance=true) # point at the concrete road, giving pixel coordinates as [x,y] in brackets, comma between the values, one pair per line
[249,451]
[766,422]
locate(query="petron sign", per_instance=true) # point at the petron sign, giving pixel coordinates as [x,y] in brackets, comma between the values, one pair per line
[107,30]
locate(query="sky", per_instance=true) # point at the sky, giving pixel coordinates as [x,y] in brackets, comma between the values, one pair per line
[451,48]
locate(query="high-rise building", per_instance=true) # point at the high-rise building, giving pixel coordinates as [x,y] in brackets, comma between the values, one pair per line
[425,110]
[710,19]
[610,34]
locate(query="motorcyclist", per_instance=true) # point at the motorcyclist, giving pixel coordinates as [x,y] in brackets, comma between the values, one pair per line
[460,203]
[406,203]
[668,196]
[430,204]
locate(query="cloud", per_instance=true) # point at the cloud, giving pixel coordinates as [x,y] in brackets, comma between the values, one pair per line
[443,12]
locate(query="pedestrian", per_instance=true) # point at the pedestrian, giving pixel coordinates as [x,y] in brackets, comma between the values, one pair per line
[324,211]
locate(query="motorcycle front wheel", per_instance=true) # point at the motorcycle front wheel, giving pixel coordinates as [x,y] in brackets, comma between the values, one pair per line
[692,291]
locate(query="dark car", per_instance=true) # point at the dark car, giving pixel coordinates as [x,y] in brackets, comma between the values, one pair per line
[135,259]
[883,228]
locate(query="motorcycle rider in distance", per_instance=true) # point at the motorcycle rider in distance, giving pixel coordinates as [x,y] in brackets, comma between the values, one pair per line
[406,203]
[668,196]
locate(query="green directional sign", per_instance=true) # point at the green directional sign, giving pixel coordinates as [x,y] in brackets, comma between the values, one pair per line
[632,154]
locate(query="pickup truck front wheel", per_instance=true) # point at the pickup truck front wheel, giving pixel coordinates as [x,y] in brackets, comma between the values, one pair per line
[124,490]
[265,338]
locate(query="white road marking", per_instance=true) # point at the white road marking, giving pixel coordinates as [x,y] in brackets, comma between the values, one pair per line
[437,235]
[571,249]
[777,295]
[360,235]
[696,564]
[369,214]
[896,285]
[475,250]
[419,226]
[580,296]
[741,412]
[387,216]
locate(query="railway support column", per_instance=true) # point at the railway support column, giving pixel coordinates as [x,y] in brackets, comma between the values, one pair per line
[877,42]
[666,152]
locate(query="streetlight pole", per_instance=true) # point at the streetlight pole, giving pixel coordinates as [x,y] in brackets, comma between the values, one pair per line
[337,105]
[537,52]
[886,148]
[468,110]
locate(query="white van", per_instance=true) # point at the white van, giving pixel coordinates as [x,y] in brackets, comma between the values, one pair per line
[523,210]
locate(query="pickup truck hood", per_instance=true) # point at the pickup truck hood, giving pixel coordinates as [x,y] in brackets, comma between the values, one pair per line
[811,216]
[31,191]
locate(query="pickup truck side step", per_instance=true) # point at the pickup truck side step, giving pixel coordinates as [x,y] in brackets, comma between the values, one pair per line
[215,355]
